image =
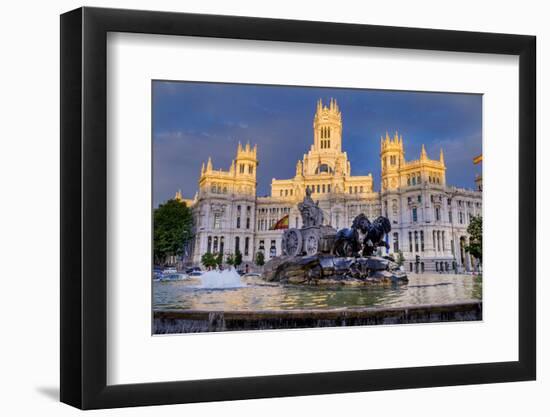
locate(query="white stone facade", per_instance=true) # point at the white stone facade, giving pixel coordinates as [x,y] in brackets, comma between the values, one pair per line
[429,218]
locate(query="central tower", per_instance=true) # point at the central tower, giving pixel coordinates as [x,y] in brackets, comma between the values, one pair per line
[327,127]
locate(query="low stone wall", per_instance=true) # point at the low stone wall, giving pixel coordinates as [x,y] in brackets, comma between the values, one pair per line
[195,321]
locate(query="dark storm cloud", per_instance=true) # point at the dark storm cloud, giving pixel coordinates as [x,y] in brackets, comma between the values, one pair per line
[192,121]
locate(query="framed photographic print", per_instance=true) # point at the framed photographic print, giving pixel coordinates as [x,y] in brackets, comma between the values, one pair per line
[257,208]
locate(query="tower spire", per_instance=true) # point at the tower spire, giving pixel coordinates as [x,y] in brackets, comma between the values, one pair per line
[441,158]
[423,154]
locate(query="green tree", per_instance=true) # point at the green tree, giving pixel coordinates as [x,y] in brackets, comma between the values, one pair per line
[230,260]
[172,225]
[475,230]
[219,259]
[400,258]
[238,258]
[209,260]
[260,258]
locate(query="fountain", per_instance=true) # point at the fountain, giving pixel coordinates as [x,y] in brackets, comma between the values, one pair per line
[228,278]
[317,254]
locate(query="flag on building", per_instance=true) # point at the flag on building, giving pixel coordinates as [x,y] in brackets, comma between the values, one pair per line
[281,224]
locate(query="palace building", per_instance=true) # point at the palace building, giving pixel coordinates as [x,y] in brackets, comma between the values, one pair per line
[429,218]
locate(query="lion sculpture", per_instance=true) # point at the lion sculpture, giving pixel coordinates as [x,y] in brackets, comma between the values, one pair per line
[363,238]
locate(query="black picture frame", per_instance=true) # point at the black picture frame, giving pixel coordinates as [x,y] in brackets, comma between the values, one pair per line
[84,207]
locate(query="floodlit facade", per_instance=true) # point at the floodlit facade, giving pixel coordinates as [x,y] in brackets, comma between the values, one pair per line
[429,218]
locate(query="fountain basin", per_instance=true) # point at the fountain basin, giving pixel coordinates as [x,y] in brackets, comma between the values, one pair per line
[196,321]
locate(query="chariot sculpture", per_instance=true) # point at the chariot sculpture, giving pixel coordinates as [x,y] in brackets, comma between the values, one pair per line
[314,238]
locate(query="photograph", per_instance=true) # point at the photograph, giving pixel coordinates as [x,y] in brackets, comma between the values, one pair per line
[280,207]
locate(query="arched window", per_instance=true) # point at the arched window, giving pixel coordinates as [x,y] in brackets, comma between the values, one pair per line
[209,246]
[237,244]
[221,244]
[215,244]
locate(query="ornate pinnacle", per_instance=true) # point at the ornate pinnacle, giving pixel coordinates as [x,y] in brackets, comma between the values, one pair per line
[423,154]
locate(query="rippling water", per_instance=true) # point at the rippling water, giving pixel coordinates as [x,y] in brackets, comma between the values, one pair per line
[259,295]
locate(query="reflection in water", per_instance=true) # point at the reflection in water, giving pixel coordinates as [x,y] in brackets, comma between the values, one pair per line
[258,295]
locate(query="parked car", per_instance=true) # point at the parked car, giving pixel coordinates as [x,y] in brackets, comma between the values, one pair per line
[193,269]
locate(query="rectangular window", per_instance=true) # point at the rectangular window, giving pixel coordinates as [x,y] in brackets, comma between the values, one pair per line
[237,244]
[437,214]
[272,249]
[246,243]
[248,222]
[238,222]
[217,220]
[318,188]
[414,214]
[410,242]
[421,241]
[396,242]
[443,240]
[450,216]
[328,188]
[350,190]
[323,188]
[415,241]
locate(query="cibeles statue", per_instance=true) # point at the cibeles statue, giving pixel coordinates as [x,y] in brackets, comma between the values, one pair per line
[312,214]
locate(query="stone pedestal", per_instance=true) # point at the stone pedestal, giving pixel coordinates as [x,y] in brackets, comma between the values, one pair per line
[333,270]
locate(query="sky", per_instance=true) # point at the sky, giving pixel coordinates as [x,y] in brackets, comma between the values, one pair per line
[192,121]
